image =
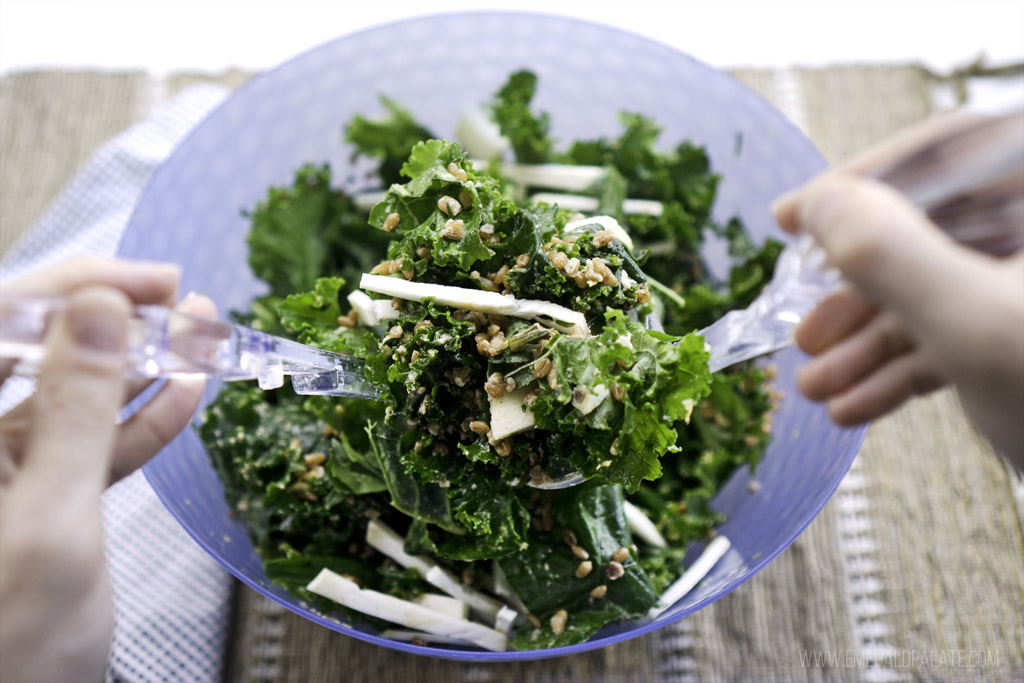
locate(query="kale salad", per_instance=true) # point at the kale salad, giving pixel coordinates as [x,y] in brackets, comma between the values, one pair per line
[527,310]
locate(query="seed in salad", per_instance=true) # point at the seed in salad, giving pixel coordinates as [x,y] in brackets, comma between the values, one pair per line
[584,568]
[621,555]
[454,169]
[522,260]
[618,392]
[453,230]
[460,376]
[590,275]
[558,620]
[314,459]
[602,269]
[643,294]
[542,367]
[504,447]
[479,427]
[499,277]
[423,252]
[580,552]
[495,385]
[395,332]
[572,266]
[615,570]
[553,379]
[486,230]
[558,259]
[603,238]
[599,591]
[449,206]
[391,222]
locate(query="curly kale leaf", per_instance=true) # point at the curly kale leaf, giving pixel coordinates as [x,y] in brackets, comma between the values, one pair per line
[657,378]
[728,430]
[307,231]
[531,235]
[421,221]
[494,515]
[389,139]
[313,317]
[527,132]
[258,443]
[682,175]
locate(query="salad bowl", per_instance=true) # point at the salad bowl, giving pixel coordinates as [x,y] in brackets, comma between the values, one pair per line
[437,66]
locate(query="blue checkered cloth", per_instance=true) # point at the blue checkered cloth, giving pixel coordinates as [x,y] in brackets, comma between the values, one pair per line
[171,600]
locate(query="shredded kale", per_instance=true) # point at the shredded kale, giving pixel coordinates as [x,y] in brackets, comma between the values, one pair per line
[388,140]
[528,132]
[634,410]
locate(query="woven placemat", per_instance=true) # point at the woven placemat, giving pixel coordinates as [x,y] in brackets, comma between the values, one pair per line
[914,571]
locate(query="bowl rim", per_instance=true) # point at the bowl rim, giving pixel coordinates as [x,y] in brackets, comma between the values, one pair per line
[474,654]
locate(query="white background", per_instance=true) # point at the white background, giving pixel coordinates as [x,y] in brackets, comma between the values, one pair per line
[210,35]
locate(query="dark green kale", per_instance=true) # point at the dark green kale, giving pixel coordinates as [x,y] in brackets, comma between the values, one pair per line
[650,382]
[635,411]
[570,564]
[729,429]
[527,132]
[388,140]
[309,230]
[440,175]
[278,465]
[434,363]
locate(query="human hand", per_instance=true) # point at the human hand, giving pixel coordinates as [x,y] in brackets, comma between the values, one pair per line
[60,449]
[920,311]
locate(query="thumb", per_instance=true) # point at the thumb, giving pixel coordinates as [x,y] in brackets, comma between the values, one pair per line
[80,390]
[884,246]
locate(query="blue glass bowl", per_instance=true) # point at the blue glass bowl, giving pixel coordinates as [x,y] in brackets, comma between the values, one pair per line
[438,65]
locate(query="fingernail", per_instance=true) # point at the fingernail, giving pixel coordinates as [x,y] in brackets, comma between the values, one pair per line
[781,200]
[784,211]
[822,206]
[163,268]
[97,323]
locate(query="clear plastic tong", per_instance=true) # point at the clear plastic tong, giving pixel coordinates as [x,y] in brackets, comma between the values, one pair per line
[165,343]
[970,182]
